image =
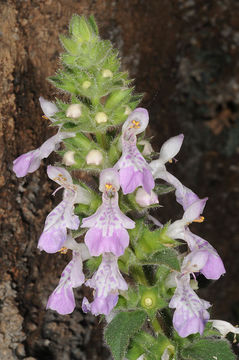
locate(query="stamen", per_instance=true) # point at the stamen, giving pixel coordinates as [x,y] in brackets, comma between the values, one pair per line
[170,161]
[108,186]
[63,250]
[136,124]
[200,219]
[45,117]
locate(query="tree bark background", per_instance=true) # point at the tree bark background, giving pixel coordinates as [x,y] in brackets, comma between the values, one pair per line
[184,55]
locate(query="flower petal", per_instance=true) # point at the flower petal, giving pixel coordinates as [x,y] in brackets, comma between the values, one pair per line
[48,108]
[99,244]
[62,300]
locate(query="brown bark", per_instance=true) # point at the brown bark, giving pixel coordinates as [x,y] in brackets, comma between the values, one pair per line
[163,45]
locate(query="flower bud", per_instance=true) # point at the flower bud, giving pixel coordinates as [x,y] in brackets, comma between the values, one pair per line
[94,157]
[68,158]
[106,73]
[144,199]
[86,84]
[101,117]
[147,147]
[74,111]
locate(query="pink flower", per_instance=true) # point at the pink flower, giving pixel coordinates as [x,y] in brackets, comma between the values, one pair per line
[184,196]
[106,282]
[62,299]
[107,226]
[212,267]
[62,217]
[30,162]
[191,312]
[133,169]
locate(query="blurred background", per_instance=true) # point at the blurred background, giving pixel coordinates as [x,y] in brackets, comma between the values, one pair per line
[184,56]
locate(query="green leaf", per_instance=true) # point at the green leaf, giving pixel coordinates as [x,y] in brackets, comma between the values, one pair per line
[208,349]
[93,263]
[121,329]
[167,257]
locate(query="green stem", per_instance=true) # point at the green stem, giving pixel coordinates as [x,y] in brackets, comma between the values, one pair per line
[156,326]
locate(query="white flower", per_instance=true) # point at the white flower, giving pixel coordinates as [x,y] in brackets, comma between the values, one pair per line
[224,327]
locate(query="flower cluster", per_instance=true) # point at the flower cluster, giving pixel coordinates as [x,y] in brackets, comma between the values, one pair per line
[134,265]
[107,233]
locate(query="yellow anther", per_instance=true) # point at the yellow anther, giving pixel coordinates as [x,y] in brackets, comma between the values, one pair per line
[136,124]
[108,186]
[200,219]
[170,161]
[63,250]
[44,117]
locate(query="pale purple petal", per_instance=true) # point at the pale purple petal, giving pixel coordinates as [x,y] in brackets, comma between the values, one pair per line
[98,243]
[60,175]
[138,115]
[130,179]
[148,180]
[48,108]
[107,279]
[100,305]
[55,230]
[30,162]
[133,169]
[106,282]
[195,261]
[53,239]
[194,211]
[170,148]
[144,199]
[214,267]
[77,276]
[191,312]
[27,163]
[107,233]
[62,300]
[185,325]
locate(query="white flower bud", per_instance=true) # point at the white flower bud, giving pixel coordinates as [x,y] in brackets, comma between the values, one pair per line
[147,147]
[68,158]
[86,84]
[101,117]
[94,157]
[106,73]
[74,111]
[144,199]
